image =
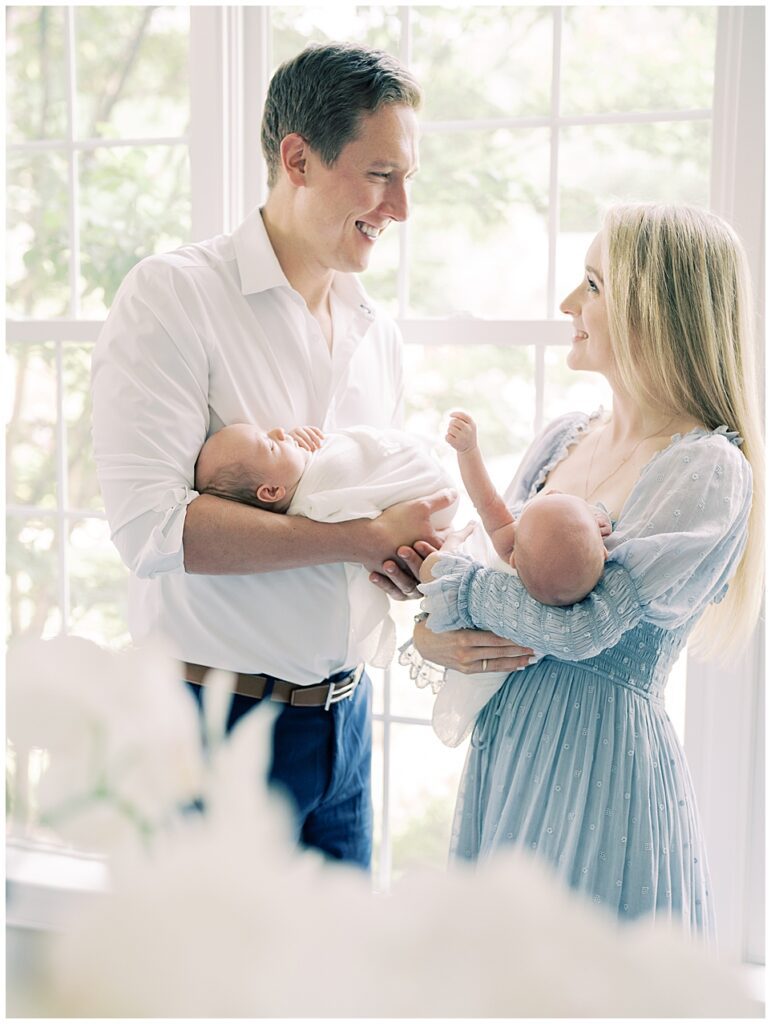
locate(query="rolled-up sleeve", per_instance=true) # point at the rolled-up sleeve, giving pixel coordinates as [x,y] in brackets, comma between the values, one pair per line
[150,416]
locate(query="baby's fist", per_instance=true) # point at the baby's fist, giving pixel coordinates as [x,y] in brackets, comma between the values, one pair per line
[309,438]
[461,432]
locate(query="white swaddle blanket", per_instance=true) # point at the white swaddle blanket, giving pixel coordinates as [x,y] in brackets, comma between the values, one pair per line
[462,696]
[356,474]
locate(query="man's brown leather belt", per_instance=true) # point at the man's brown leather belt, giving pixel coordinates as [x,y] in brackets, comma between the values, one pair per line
[315,696]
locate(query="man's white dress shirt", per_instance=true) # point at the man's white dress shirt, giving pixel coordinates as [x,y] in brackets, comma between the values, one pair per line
[209,335]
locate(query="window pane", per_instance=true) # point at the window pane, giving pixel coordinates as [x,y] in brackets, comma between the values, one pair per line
[98,585]
[567,390]
[423,786]
[378,689]
[407,699]
[132,71]
[32,578]
[478,227]
[293,27]
[662,58]
[135,201]
[83,488]
[479,61]
[601,164]
[31,424]
[36,73]
[494,384]
[38,235]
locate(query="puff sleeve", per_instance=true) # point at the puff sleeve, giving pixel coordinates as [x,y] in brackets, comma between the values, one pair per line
[678,542]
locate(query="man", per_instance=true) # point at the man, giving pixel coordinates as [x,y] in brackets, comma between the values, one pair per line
[269,326]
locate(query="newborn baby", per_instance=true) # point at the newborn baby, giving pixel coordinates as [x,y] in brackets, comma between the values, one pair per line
[353,473]
[555,545]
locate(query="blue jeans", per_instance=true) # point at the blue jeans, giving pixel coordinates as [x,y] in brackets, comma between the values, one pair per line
[322,761]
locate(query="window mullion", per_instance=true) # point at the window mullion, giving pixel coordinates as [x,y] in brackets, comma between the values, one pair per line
[403,281]
[72,163]
[208,123]
[554,161]
[62,496]
[255,78]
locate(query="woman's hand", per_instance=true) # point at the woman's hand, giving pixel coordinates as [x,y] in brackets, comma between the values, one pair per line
[471,650]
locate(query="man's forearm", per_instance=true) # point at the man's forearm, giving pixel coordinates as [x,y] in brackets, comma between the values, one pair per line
[224,537]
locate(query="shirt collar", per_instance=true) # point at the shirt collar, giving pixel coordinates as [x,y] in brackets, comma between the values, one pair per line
[258,265]
[259,269]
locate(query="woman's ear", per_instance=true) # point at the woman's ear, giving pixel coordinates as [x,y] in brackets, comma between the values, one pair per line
[294,153]
[270,493]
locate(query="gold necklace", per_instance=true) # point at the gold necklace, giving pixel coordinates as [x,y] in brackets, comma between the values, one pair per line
[587,492]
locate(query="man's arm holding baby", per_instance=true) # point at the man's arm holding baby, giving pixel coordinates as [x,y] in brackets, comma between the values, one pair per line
[225,537]
[496,518]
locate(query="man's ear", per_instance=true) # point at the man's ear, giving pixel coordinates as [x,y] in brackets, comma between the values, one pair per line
[294,153]
[270,493]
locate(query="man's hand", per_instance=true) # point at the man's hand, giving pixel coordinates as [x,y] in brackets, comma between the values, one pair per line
[399,539]
[309,438]
[462,432]
[470,650]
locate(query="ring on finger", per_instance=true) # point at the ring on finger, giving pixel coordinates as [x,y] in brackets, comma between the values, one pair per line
[484,664]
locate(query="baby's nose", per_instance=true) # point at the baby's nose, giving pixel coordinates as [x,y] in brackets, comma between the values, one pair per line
[278,434]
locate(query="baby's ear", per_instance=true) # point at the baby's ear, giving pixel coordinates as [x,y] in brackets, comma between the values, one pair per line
[270,493]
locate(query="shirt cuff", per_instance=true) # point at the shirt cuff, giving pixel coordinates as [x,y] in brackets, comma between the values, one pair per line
[447,599]
[163,551]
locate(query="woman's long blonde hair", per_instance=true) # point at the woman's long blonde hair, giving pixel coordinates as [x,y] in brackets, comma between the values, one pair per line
[680,315]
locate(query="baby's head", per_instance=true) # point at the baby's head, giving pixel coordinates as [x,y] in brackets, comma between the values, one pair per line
[558,548]
[254,466]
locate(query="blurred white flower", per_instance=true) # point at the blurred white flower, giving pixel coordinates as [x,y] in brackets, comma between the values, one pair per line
[225,917]
[121,730]
[230,920]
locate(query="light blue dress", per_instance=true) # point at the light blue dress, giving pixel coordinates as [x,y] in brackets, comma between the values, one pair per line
[575,757]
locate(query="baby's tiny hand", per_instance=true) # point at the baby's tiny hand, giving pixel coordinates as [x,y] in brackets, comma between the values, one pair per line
[309,438]
[603,521]
[462,432]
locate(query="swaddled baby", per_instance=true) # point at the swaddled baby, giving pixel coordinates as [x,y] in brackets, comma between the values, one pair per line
[354,473]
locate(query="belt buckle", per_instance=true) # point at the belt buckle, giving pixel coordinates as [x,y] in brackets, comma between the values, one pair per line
[343,687]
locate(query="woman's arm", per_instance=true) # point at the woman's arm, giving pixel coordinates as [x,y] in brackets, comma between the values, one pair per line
[466,595]
[470,650]
[675,550]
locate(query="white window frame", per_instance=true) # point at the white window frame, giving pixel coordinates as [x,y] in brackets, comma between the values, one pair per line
[230,63]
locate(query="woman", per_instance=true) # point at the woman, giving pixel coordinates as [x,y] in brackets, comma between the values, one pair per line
[575,757]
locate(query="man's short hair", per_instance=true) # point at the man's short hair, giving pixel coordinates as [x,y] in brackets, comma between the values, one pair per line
[322,93]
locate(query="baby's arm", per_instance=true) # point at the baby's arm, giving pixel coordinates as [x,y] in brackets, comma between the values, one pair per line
[496,518]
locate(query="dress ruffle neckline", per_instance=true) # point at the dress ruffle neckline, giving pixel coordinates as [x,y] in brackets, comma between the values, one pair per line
[580,427]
